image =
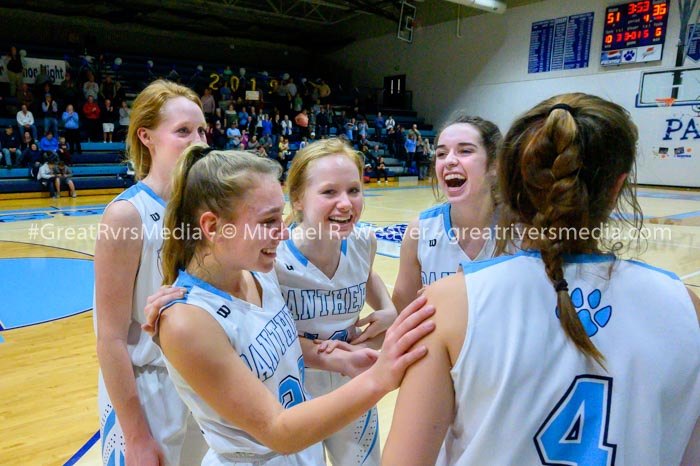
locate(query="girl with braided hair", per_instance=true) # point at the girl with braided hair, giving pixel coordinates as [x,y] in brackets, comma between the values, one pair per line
[560,353]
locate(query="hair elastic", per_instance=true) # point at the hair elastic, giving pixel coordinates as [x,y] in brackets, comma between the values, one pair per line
[561,107]
[561,285]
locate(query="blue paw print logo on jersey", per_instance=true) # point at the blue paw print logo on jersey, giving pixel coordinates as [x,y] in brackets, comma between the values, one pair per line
[629,55]
[593,317]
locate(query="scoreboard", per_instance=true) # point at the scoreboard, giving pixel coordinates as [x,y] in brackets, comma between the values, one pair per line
[634,32]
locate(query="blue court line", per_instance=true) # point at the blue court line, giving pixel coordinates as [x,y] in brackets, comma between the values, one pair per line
[695,213]
[23,211]
[84,449]
[679,196]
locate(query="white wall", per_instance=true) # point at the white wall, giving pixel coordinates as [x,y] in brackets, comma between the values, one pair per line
[485,72]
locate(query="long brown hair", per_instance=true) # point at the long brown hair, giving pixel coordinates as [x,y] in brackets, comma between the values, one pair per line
[205,180]
[146,113]
[557,170]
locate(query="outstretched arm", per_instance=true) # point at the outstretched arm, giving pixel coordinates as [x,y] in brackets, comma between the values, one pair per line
[200,351]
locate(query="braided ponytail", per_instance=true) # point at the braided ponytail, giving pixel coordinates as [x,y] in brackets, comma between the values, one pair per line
[559,164]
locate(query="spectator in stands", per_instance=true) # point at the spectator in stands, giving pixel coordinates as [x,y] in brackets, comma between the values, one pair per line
[244,139]
[287,127]
[389,123]
[374,154]
[63,150]
[297,103]
[350,130]
[230,114]
[338,121]
[208,104]
[381,170]
[303,143]
[410,146]
[26,140]
[46,176]
[261,151]
[124,117]
[108,89]
[232,133]
[26,96]
[91,88]
[266,125]
[243,118]
[108,116]
[324,90]
[283,154]
[266,143]
[322,122]
[302,121]
[400,137]
[10,143]
[64,177]
[291,89]
[25,121]
[91,111]
[49,108]
[362,131]
[225,91]
[218,136]
[47,90]
[49,146]
[69,90]
[15,71]
[424,158]
[71,123]
[414,130]
[378,126]
[253,143]
[252,120]
[32,156]
[363,142]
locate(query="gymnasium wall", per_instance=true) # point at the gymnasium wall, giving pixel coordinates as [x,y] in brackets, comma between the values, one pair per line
[482,67]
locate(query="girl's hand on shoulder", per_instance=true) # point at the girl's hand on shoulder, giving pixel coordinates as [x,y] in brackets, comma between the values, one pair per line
[154,303]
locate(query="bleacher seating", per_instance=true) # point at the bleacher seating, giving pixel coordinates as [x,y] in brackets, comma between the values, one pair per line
[100,166]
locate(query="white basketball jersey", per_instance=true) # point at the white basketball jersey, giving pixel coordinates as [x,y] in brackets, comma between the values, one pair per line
[525,395]
[439,253]
[149,277]
[326,308]
[266,340]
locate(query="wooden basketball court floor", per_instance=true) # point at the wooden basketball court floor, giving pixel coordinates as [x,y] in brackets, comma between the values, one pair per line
[48,366]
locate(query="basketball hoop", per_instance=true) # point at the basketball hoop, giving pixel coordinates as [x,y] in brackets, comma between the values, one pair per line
[665,101]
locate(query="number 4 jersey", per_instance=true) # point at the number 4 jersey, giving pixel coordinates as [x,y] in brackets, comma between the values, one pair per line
[526,395]
[266,340]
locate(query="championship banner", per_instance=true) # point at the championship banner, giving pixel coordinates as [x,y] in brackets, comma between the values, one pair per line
[55,69]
